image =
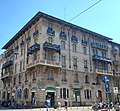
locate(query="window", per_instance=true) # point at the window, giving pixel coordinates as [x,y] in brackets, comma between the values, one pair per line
[64,76]
[25,77]
[50,75]
[20,66]
[85,63]
[87,94]
[19,77]
[86,79]
[64,93]
[50,56]
[35,56]
[34,76]
[21,51]
[73,33]
[84,50]
[15,67]
[50,25]
[76,77]
[63,60]
[74,48]
[14,81]
[62,44]
[75,62]
[83,37]
[50,40]
[62,29]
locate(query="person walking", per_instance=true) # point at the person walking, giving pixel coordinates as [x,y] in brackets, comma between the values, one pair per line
[66,103]
[116,106]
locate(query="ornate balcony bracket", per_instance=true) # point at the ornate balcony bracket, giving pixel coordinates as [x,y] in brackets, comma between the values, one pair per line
[33,48]
[49,46]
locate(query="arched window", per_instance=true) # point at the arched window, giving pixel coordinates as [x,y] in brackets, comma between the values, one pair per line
[86,79]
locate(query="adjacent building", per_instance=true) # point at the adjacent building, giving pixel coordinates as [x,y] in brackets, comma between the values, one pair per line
[51,58]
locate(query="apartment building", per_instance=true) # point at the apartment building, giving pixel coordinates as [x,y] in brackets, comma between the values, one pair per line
[115,56]
[52,58]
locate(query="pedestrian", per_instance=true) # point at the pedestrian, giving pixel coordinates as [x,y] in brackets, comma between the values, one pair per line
[116,106]
[59,105]
[33,102]
[66,103]
[47,103]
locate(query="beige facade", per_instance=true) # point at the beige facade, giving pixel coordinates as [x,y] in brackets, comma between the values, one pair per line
[51,58]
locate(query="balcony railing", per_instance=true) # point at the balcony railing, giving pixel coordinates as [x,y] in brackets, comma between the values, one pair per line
[74,39]
[35,33]
[5,75]
[10,52]
[50,31]
[7,64]
[103,72]
[98,45]
[44,62]
[63,35]
[49,46]
[28,38]
[84,42]
[33,48]
[100,58]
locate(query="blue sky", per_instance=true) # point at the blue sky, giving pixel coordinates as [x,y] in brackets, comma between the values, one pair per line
[104,18]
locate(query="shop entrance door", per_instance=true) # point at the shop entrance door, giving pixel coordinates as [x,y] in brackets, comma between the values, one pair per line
[51,96]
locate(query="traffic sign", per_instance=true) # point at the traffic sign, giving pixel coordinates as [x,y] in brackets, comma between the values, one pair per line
[106,78]
[107,87]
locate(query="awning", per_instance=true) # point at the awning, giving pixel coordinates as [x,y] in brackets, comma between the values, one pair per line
[50,88]
[40,86]
[76,89]
[33,89]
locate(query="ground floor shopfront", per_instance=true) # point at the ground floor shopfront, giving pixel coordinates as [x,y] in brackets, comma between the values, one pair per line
[76,96]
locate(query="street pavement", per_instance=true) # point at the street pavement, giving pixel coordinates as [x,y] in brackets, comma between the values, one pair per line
[52,109]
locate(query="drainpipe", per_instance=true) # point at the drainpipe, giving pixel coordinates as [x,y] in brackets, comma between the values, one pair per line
[69,47]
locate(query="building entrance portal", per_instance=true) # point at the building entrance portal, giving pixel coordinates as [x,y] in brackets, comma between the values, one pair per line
[51,96]
[100,95]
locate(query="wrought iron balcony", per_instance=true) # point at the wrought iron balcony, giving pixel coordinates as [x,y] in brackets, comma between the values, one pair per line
[50,31]
[49,46]
[33,48]
[100,58]
[28,38]
[5,75]
[16,48]
[114,50]
[74,39]
[103,72]
[7,64]
[22,43]
[84,42]
[98,45]
[35,33]
[9,53]
[63,35]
